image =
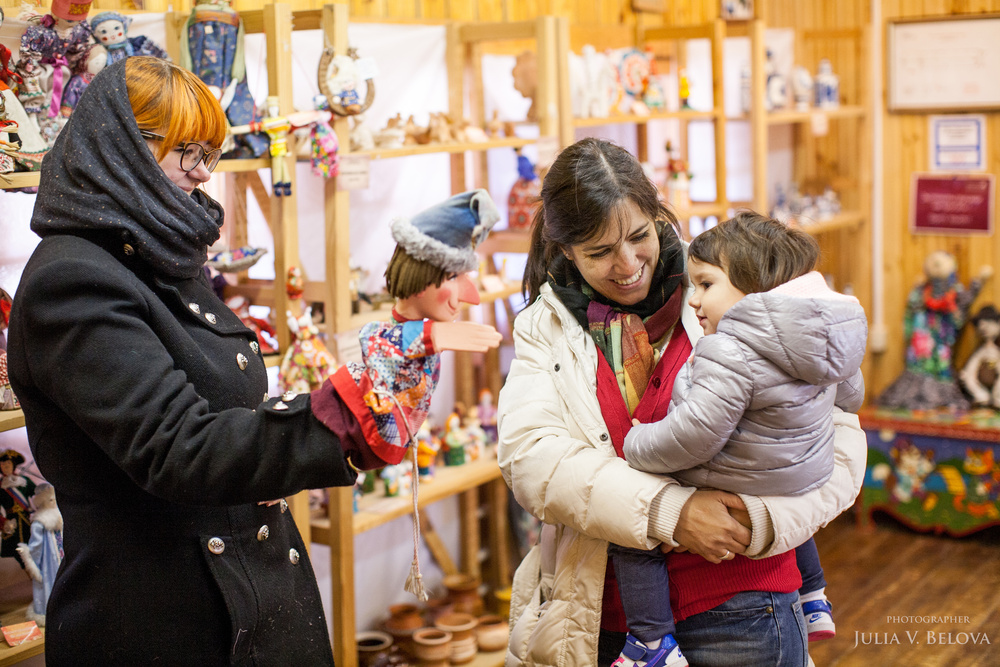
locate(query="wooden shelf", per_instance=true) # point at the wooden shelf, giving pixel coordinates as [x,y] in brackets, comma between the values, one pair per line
[385,153]
[243,165]
[703,210]
[375,509]
[790,116]
[11,419]
[20,179]
[13,655]
[493,659]
[686,114]
[839,222]
[273,360]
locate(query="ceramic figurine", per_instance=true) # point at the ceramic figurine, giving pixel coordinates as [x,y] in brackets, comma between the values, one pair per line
[678,180]
[488,414]
[427,450]
[477,438]
[393,135]
[362,138]
[110,30]
[684,89]
[455,441]
[737,10]
[44,551]
[212,48]
[827,204]
[776,88]
[802,88]
[827,86]
[16,491]
[981,372]
[524,197]
[936,310]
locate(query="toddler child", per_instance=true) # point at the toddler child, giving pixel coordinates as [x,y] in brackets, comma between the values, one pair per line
[751,412]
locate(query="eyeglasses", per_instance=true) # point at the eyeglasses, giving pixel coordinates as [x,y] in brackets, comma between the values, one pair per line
[192,152]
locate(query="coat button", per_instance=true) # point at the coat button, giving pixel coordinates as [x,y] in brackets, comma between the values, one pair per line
[263,533]
[210,317]
[293,556]
[195,308]
[283,505]
[242,361]
[216,545]
[656,382]
[279,406]
[266,398]
[604,437]
[255,347]
[288,396]
[556,367]
[128,250]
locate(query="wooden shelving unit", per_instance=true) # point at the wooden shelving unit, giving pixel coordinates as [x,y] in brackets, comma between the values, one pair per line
[11,419]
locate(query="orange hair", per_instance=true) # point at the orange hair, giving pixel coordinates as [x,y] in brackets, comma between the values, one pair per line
[172,101]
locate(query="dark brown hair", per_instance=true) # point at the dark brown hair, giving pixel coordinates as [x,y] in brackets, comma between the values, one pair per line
[407,275]
[583,192]
[758,253]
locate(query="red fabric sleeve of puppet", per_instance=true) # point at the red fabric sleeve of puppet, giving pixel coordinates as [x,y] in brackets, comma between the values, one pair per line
[333,411]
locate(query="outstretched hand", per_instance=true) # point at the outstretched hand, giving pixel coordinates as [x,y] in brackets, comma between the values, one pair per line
[707,528]
[464,336]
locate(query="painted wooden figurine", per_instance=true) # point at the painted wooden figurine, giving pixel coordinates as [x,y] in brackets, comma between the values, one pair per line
[936,310]
[44,551]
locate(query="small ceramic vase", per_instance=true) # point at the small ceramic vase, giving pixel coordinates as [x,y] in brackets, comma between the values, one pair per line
[502,597]
[432,647]
[403,620]
[373,647]
[491,633]
[437,607]
[463,638]
[463,590]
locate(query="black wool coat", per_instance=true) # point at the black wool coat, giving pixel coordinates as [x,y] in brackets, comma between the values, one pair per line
[143,396]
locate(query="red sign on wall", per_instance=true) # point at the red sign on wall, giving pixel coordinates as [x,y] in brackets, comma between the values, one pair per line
[952,204]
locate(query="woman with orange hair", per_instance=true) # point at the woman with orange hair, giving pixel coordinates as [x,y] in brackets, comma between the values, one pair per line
[144,399]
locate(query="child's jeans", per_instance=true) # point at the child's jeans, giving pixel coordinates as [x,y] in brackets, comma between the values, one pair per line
[645,591]
[807,559]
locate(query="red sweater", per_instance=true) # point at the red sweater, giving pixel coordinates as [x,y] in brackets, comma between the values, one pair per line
[695,584]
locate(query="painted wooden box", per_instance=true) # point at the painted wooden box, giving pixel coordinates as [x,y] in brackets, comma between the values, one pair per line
[933,470]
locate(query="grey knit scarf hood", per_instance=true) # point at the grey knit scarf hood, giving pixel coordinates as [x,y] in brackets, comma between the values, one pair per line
[101,176]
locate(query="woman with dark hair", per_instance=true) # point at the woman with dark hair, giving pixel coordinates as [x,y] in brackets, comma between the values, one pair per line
[605,335]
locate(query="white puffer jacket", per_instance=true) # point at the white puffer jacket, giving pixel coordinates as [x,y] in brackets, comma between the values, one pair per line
[557,457]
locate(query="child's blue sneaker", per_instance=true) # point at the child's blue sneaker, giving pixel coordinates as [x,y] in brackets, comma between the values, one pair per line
[819,620]
[637,654]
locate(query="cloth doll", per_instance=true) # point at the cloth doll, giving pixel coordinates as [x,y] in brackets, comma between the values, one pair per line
[7,399]
[110,30]
[25,143]
[980,376]
[15,501]
[95,59]
[307,362]
[44,551]
[389,392]
[266,333]
[936,310]
[212,48]
[51,50]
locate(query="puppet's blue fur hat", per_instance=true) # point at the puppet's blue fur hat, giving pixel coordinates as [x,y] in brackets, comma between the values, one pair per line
[446,235]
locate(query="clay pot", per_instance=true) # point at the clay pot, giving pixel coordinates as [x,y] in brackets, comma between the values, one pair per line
[432,647]
[463,639]
[492,633]
[463,590]
[403,620]
[373,648]
[437,607]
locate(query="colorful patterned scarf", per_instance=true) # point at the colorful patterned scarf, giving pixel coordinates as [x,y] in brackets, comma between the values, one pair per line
[625,334]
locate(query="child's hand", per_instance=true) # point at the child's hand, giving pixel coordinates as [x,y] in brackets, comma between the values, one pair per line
[636,422]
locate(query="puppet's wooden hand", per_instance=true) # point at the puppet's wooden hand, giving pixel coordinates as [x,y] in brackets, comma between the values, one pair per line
[464,336]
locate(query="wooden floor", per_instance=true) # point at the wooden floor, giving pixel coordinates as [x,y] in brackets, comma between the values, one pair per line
[877,578]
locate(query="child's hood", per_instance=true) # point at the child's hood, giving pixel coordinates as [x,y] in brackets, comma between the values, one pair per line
[805,328]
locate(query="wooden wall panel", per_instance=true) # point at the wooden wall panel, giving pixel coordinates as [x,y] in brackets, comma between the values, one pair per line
[905,148]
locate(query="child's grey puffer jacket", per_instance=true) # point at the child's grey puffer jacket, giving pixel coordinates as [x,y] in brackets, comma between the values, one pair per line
[751,412]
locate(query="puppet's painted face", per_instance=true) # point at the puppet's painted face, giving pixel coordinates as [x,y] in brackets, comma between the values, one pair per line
[110,32]
[442,303]
[6,468]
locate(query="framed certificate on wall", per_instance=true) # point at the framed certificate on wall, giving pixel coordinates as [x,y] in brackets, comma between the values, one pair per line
[943,64]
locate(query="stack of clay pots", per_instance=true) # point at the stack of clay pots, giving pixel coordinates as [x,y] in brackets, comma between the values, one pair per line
[462,627]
